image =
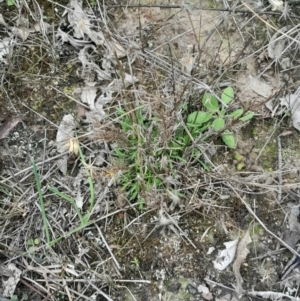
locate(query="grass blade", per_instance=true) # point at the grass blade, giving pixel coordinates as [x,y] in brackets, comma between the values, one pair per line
[38,185]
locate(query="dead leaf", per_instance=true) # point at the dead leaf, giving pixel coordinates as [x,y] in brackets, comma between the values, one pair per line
[64,134]
[7,126]
[260,87]
[12,281]
[242,253]
[226,256]
[73,145]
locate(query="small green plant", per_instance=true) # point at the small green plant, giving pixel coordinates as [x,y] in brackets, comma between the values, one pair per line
[136,262]
[214,118]
[141,155]
[32,243]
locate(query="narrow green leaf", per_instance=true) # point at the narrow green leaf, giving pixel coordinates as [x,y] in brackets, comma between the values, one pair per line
[236,114]
[218,124]
[227,95]
[205,167]
[210,102]
[39,189]
[228,139]
[247,117]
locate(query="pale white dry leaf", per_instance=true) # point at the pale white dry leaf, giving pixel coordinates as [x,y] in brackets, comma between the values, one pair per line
[6,45]
[88,95]
[22,32]
[210,250]
[129,80]
[242,253]
[260,87]
[226,256]
[187,61]
[79,199]
[277,44]
[205,293]
[89,66]
[115,49]
[10,284]
[276,5]
[43,27]
[66,38]
[81,24]
[64,134]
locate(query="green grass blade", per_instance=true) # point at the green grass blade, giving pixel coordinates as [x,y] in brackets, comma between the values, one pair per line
[38,185]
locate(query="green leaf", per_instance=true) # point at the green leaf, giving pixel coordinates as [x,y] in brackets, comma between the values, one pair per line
[210,102]
[227,95]
[37,241]
[247,117]
[236,114]
[10,2]
[240,166]
[197,118]
[218,124]
[228,139]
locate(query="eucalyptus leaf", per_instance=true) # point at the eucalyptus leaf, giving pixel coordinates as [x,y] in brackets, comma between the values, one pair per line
[227,95]
[228,139]
[247,117]
[236,114]
[218,124]
[210,102]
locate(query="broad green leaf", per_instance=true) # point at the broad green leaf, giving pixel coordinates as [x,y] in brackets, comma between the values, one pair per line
[228,139]
[247,117]
[218,124]
[10,2]
[240,166]
[198,118]
[236,114]
[210,102]
[227,95]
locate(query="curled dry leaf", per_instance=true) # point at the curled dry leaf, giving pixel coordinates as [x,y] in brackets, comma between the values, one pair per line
[64,135]
[225,257]
[242,253]
[7,126]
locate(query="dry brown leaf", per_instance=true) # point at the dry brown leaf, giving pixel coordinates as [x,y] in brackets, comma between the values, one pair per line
[7,126]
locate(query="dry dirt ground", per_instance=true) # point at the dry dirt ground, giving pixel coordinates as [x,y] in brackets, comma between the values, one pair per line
[109,189]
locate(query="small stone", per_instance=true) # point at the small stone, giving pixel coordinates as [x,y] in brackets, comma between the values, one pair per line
[192,289]
[174,287]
